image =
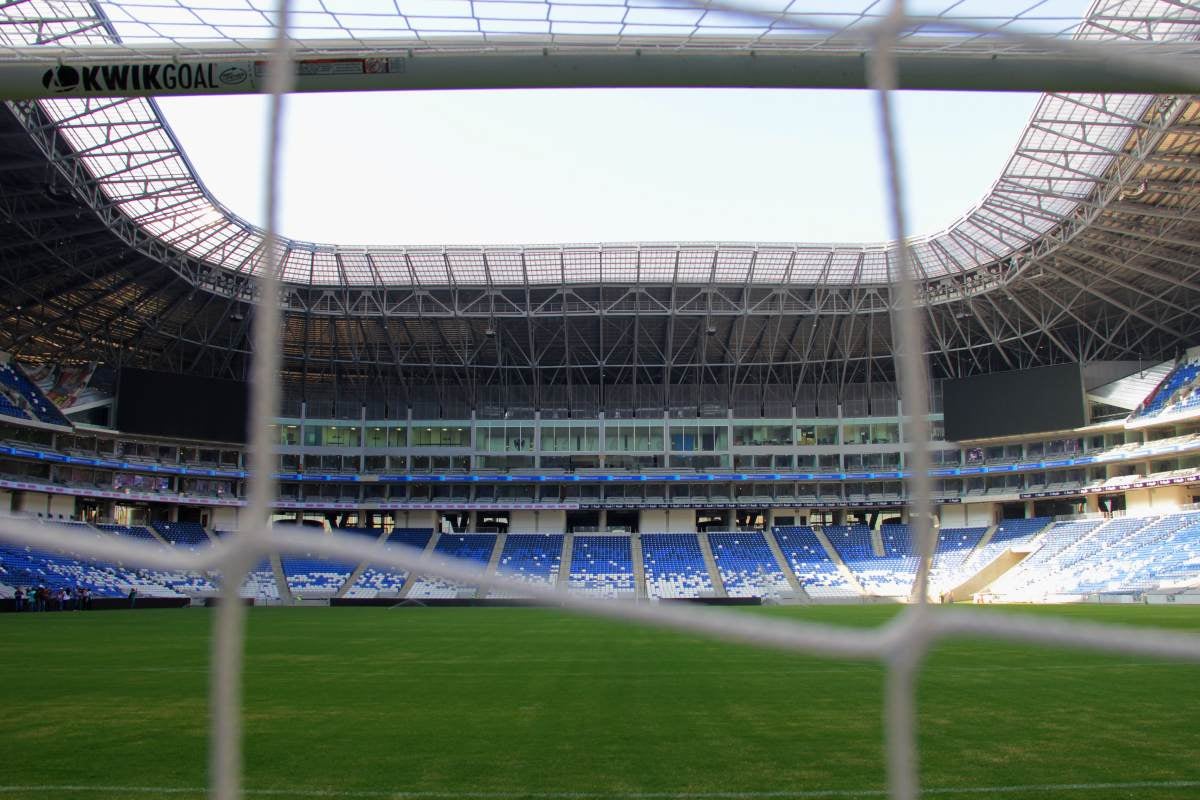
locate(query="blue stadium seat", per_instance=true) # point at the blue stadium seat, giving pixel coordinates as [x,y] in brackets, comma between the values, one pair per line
[748,567]
[602,565]
[470,549]
[674,566]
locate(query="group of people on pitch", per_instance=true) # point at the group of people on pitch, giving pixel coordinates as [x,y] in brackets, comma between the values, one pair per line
[40,598]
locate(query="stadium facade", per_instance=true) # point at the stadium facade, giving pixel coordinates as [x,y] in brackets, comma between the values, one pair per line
[642,388]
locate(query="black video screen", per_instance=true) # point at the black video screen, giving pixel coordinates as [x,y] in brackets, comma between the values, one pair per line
[1012,403]
[187,406]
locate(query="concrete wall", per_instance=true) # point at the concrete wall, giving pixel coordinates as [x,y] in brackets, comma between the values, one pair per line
[552,521]
[654,520]
[62,504]
[223,518]
[537,521]
[953,516]
[681,520]
[415,519]
[31,502]
[978,514]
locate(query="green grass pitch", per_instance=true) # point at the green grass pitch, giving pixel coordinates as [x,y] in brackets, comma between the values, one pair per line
[456,702]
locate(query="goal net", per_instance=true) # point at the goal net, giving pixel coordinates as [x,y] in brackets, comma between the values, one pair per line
[88,65]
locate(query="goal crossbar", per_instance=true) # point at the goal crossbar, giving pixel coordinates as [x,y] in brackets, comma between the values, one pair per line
[661,62]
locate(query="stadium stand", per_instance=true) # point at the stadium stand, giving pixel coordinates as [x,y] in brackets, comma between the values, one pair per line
[531,557]
[602,565]
[309,576]
[747,566]
[1059,537]
[1124,555]
[260,583]
[889,575]
[32,403]
[674,566]
[1177,393]
[469,548]
[954,547]
[1009,533]
[183,534]
[130,531]
[812,566]
[377,581]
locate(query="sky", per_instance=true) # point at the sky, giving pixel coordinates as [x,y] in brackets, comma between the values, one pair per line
[562,166]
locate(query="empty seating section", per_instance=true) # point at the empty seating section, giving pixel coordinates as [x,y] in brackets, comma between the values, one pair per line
[183,534]
[130,531]
[379,581]
[1177,392]
[813,567]
[674,566]
[9,409]
[954,547]
[853,544]
[1130,554]
[602,565]
[260,582]
[32,403]
[310,576]
[1009,533]
[1060,537]
[370,533]
[889,575]
[531,557]
[748,567]
[471,549]
[1069,560]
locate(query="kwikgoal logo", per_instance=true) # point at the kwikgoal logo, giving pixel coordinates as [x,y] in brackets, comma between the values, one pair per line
[116,78]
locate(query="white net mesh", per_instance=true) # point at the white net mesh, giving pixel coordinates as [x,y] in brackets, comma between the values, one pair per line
[883,30]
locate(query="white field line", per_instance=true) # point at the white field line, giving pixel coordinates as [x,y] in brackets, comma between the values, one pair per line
[798,794]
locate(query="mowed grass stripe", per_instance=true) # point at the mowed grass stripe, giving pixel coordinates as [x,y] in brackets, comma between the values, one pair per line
[199,791]
[522,702]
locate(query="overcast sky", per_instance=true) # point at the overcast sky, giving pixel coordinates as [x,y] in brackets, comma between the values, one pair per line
[600,165]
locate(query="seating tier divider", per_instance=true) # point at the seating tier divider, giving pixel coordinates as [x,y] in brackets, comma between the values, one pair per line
[413,578]
[836,558]
[786,565]
[497,551]
[639,566]
[358,570]
[710,562]
[564,563]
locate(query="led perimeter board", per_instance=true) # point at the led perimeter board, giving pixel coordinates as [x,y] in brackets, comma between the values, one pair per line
[1012,403]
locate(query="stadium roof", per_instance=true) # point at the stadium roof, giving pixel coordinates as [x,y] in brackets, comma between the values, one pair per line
[127,149]
[1087,247]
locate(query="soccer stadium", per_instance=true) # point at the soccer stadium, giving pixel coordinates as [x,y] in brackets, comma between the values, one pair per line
[612,520]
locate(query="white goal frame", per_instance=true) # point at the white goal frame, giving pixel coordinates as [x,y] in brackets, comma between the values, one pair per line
[890,61]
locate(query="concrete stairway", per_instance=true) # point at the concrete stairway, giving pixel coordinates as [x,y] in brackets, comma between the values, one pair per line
[497,550]
[784,565]
[639,566]
[983,540]
[564,562]
[877,543]
[358,571]
[832,552]
[285,594]
[710,562]
[412,579]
